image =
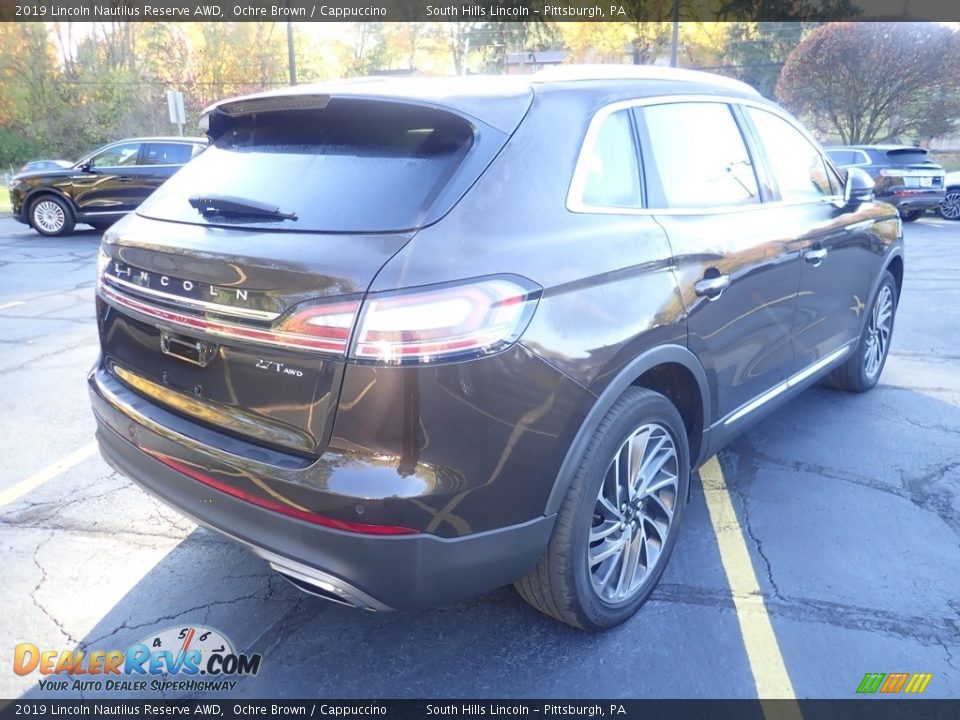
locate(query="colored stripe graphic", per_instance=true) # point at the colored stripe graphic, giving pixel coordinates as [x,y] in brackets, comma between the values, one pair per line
[913,683]
[894,683]
[871,682]
[918,683]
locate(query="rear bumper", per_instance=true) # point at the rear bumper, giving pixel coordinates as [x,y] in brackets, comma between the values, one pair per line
[374,572]
[913,199]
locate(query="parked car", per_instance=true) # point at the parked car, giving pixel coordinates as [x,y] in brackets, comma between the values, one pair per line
[905,177]
[35,165]
[411,340]
[101,187]
[950,205]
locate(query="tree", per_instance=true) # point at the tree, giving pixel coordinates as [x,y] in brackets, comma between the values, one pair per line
[876,81]
[755,52]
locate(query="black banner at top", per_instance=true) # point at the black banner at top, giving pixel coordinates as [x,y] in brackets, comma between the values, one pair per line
[474,10]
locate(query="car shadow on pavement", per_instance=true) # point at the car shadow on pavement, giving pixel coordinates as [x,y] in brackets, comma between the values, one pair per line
[818,455]
[491,646]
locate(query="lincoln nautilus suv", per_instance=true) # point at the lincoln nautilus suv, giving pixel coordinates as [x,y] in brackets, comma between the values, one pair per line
[410,340]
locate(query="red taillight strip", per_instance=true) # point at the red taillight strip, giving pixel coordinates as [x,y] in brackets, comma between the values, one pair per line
[310,517]
[268,337]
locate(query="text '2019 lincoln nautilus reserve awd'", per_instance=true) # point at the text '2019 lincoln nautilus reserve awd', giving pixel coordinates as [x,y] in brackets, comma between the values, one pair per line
[411,340]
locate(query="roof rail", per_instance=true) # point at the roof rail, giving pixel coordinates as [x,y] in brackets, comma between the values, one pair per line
[569,73]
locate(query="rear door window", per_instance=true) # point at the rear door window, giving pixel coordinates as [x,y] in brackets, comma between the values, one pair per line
[700,155]
[166,154]
[353,166]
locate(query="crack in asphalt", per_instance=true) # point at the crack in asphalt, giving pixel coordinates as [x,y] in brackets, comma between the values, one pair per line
[50,353]
[257,594]
[43,578]
[940,501]
[949,654]
[756,540]
[749,475]
[937,631]
[915,490]
[131,537]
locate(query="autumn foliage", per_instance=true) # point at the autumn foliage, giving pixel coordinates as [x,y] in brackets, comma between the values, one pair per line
[870,82]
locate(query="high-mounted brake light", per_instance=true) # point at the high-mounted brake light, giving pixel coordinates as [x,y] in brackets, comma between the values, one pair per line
[445,323]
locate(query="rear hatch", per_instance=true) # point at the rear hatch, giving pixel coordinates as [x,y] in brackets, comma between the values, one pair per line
[230,296]
[911,169]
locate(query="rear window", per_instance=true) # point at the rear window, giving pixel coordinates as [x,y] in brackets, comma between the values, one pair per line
[845,157]
[908,156]
[354,166]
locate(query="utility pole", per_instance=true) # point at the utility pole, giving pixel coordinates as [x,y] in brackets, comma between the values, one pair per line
[675,40]
[291,58]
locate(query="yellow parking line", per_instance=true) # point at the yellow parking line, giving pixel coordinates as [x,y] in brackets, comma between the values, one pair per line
[48,473]
[763,653]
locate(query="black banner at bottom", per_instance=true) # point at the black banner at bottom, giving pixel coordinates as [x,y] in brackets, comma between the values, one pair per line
[872,709]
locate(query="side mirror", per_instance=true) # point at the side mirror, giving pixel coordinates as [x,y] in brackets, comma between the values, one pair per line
[87,166]
[858,187]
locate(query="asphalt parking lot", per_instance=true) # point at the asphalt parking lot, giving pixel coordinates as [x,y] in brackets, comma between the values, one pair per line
[849,508]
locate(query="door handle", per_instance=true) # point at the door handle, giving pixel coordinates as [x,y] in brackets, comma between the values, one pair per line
[815,255]
[712,285]
[124,178]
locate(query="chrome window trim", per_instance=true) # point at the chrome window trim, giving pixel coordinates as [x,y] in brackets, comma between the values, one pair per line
[141,143]
[575,203]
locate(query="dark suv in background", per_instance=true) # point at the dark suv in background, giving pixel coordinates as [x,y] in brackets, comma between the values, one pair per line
[412,340]
[101,187]
[903,175]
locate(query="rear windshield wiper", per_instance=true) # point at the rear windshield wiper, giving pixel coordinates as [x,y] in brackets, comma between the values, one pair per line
[229,205]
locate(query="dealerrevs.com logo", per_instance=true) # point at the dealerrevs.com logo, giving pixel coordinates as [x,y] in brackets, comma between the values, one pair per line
[193,658]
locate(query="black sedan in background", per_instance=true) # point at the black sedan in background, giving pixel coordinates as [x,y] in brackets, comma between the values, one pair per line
[905,177]
[101,187]
[35,165]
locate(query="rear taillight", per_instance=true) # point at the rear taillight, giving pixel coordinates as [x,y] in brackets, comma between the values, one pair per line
[322,327]
[444,323]
[319,327]
[430,324]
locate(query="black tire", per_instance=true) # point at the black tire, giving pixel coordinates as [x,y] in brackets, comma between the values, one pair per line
[853,375]
[51,216]
[561,585]
[910,215]
[949,208]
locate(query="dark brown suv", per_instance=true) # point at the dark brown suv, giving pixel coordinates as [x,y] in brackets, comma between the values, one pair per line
[101,187]
[411,340]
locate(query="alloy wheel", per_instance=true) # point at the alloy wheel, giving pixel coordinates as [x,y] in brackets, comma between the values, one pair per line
[950,206]
[49,216]
[878,332]
[633,514]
